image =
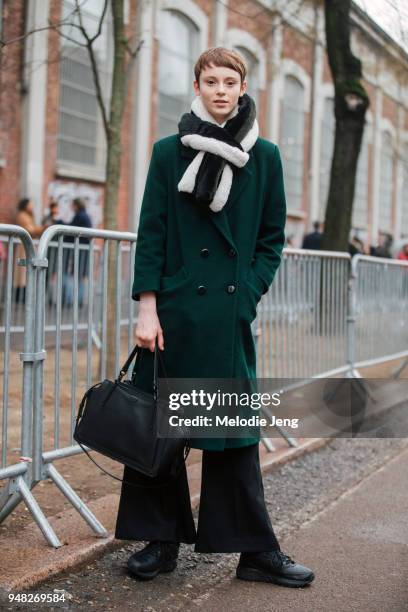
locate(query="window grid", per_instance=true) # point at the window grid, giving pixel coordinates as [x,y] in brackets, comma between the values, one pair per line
[178,48]
[81,136]
[326,154]
[292,140]
[386,184]
[252,77]
[360,206]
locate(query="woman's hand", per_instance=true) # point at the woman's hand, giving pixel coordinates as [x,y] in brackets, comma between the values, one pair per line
[148,325]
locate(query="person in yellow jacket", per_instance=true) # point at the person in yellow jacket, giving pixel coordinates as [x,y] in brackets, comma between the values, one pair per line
[25,218]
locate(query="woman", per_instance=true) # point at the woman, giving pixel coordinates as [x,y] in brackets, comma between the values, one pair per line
[25,218]
[210,238]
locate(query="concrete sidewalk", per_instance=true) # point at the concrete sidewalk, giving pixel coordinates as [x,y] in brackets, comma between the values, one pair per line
[358,547]
[26,559]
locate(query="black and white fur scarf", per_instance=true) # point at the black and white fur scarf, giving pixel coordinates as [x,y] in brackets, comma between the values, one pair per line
[209,176]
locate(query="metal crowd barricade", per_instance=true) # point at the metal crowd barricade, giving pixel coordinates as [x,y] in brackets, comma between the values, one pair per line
[81,279]
[18,296]
[18,286]
[302,320]
[320,318]
[379,305]
[303,316]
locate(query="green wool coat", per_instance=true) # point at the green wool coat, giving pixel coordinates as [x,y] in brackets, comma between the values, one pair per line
[208,269]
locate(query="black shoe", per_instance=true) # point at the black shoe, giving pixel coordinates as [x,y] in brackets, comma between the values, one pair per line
[273,566]
[154,558]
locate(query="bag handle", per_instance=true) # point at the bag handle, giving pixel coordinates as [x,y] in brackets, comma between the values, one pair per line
[151,486]
[157,353]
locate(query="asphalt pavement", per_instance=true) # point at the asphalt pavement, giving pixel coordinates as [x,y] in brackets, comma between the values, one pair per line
[342,510]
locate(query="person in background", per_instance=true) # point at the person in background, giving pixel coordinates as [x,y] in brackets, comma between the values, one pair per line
[356,247]
[25,218]
[52,217]
[80,219]
[384,249]
[313,239]
[403,254]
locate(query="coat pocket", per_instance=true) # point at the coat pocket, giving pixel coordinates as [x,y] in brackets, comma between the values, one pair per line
[175,281]
[255,284]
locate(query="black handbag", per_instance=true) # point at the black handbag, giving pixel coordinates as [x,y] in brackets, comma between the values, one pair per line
[121,421]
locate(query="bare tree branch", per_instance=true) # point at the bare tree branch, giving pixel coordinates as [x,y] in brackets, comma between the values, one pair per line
[90,40]
[4,43]
[94,65]
[133,54]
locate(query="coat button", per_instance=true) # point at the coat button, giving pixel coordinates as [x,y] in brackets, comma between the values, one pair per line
[204,252]
[253,259]
[231,288]
[232,252]
[201,289]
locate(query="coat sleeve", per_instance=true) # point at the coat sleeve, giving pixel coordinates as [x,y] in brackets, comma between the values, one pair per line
[151,235]
[271,236]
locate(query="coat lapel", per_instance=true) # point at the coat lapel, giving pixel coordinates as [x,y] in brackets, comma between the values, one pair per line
[240,179]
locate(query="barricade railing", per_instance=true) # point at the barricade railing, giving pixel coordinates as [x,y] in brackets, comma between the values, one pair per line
[76,352]
[379,312]
[317,320]
[302,319]
[51,289]
[18,272]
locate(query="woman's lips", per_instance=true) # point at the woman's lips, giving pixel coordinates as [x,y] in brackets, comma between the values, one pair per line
[220,102]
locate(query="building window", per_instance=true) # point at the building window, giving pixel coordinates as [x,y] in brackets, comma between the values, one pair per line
[360,205]
[386,184]
[252,64]
[81,136]
[326,154]
[404,198]
[292,140]
[179,44]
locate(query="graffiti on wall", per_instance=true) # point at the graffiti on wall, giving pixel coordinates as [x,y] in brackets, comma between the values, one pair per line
[64,192]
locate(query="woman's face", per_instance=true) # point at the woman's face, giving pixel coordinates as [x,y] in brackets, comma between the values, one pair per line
[30,207]
[219,83]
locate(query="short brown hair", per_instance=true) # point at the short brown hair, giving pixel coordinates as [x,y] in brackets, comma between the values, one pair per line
[79,203]
[220,56]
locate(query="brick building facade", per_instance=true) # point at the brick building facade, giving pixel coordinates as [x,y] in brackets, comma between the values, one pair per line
[51,136]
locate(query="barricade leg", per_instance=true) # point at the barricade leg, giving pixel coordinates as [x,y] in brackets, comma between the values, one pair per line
[76,501]
[400,369]
[10,502]
[37,513]
[268,444]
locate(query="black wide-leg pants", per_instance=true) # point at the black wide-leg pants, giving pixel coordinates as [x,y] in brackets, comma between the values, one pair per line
[232,514]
